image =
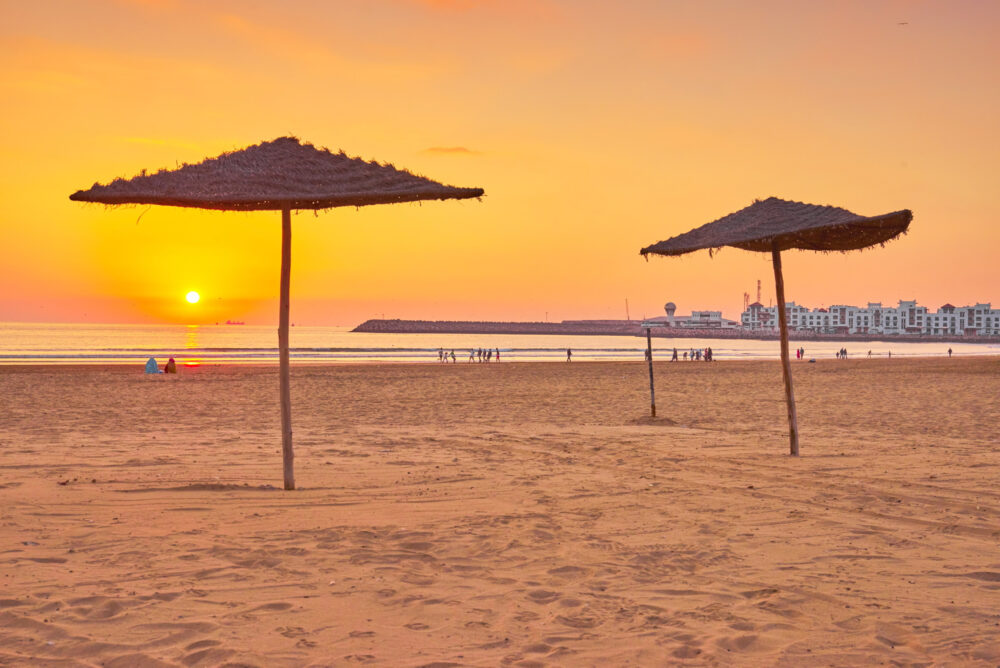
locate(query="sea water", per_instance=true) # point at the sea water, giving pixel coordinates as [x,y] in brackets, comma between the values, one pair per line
[42,343]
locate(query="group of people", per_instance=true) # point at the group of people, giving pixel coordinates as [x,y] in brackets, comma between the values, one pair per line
[485,355]
[444,357]
[842,354]
[800,353]
[693,355]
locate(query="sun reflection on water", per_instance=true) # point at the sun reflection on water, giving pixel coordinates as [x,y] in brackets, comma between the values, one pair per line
[192,342]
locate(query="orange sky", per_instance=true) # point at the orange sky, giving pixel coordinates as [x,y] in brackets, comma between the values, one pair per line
[596,128]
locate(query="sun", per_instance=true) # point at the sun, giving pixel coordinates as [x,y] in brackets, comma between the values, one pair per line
[192,297]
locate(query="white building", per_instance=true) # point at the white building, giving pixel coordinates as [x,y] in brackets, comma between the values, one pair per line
[697,319]
[907,318]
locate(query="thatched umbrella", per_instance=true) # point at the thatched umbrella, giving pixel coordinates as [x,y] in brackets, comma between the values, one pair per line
[277,175]
[774,225]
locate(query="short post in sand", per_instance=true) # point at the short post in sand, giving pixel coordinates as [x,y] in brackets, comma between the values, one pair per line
[786,366]
[649,356]
[648,326]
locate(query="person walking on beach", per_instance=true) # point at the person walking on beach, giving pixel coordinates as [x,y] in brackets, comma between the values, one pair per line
[452,356]
[569,355]
[472,356]
[949,352]
[674,358]
[440,354]
[498,355]
[489,355]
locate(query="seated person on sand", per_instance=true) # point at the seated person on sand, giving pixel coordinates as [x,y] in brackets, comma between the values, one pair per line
[171,366]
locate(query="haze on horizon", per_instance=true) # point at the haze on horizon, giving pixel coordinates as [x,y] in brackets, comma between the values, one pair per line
[594,129]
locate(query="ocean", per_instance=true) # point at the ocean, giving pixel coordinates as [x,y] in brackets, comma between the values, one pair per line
[42,343]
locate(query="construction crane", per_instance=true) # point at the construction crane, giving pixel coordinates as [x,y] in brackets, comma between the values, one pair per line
[758,291]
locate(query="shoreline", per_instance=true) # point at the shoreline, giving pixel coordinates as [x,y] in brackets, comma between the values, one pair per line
[138,364]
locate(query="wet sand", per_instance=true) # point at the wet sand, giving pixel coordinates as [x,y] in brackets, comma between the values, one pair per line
[512,514]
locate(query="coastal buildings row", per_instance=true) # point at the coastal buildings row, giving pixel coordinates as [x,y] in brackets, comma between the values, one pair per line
[907,318]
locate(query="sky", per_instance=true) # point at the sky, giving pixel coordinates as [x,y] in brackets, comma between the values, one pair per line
[595,129]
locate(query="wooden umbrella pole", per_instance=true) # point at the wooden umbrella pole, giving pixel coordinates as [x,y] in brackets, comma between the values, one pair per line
[786,365]
[287,453]
[649,356]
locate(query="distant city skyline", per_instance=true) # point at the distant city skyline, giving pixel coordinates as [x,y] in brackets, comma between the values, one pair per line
[907,318]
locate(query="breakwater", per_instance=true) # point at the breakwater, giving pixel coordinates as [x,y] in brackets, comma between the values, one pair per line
[576,328]
[632,328]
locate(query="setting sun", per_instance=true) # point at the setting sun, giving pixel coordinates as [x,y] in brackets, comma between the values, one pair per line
[192,297]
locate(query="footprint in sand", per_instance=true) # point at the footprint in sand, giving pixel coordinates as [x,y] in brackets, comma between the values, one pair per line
[578,622]
[361,634]
[543,596]
[569,572]
[417,546]
[272,607]
[537,648]
[686,652]
[292,631]
[739,643]
[759,593]
[207,657]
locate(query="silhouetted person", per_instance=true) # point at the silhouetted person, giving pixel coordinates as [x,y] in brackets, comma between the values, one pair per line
[569,355]
[171,366]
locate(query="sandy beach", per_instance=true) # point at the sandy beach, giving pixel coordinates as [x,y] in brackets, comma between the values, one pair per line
[512,514]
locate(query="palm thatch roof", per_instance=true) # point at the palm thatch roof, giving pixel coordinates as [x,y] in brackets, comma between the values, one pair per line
[279,174]
[777,222]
